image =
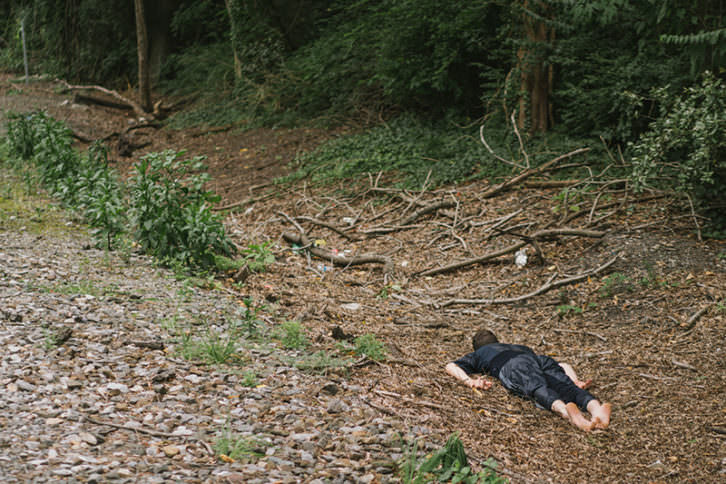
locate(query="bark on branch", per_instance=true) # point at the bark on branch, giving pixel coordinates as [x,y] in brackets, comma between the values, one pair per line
[338,260]
[539,235]
[549,285]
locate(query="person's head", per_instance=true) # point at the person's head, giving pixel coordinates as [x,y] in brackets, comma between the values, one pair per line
[483,337]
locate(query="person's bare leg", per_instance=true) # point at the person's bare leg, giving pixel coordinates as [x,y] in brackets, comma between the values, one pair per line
[569,371]
[600,413]
[572,414]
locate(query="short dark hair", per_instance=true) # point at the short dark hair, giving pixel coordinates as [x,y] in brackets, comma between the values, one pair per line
[483,337]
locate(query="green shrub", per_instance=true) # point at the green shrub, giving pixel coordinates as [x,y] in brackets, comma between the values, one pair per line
[685,147]
[170,210]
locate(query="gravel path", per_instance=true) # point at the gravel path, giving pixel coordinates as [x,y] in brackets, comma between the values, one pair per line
[95,389]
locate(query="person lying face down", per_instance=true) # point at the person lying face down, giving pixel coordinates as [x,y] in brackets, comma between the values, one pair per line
[552,385]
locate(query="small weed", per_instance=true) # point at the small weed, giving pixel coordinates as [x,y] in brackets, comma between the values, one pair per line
[237,447]
[368,345]
[566,309]
[251,321]
[615,283]
[249,379]
[291,335]
[387,290]
[50,341]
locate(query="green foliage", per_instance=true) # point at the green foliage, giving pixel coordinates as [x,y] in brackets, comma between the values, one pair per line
[368,345]
[168,205]
[100,196]
[291,335]
[82,181]
[616,283]
[684,149]
[407,146]
[597,88]
[170,210]
[259,256]
[448,464]
[75,40]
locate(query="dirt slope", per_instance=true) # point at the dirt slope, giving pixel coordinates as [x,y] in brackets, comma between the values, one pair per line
[629,328]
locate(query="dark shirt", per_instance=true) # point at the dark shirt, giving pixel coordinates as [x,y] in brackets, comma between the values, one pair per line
[481,360]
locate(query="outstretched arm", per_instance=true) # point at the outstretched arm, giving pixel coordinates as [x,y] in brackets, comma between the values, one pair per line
[569,371]
[455,370]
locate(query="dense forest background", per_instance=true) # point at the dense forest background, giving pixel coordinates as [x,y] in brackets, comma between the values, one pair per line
[638,81]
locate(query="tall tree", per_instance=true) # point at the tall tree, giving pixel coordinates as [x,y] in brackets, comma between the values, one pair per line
[535,111]
[142,42]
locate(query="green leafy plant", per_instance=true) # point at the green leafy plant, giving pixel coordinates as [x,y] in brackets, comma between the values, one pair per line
[368,345]
[448,464]
[685,147]
[258,256]
[170,210]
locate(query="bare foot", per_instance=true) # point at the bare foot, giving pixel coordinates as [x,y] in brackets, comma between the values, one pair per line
[577,419]
[583,384]
[601,416]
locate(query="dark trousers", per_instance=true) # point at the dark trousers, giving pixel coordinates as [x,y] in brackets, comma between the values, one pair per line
[542,379]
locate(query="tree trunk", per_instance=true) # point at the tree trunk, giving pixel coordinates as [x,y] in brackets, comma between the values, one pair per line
[142,43]
[534,105]
[158,20]
[234,29]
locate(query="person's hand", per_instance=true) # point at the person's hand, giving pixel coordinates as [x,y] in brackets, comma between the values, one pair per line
[479,383]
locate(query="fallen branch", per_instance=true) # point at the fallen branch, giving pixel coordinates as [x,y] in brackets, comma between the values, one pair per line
[88,99]
[549,285]
[696,316]
[132,104]
[338,260]
[496,189]
[541,234]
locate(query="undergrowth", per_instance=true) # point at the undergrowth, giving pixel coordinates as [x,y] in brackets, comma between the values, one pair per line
[165,206]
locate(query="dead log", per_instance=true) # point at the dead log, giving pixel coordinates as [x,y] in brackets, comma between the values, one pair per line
[132,104]
[549,285]
[338,260]
[80,98]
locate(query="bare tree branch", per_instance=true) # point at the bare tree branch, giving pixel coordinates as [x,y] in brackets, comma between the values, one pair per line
[549,285]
